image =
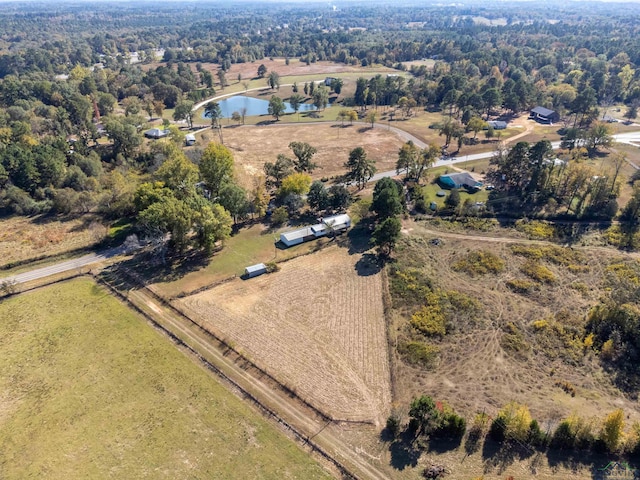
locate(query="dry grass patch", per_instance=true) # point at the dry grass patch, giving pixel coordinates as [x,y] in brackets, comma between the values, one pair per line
[498,353]
[25,238]
[252,147]
[317,325]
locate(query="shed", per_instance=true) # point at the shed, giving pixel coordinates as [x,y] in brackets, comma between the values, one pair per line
[255,270]
[328,81]
[459,180]
[544,115]
[156,133]
[189,139]
[497,124]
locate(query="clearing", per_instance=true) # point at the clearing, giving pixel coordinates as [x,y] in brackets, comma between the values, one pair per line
[253,146]
[317,325]
[493,353]
[89,390]
[28,238]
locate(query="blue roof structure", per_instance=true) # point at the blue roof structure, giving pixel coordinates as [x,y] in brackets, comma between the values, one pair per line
[459,180]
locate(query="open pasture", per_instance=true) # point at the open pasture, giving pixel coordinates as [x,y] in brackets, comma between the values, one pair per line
[88,390]
[25,238]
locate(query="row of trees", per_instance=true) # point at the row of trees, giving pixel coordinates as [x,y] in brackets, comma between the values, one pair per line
[513,424]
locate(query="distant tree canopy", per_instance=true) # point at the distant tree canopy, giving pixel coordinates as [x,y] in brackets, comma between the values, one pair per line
[68,80]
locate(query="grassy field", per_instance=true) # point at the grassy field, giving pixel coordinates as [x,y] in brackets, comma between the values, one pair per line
[89,390]
[249,246]
[503,345]
[317,324]
[25,238]
[332,141]
[479,356]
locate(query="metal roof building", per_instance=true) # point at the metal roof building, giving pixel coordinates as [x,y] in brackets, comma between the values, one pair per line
[335,223]
[544,115]
[255,270]
[459,180]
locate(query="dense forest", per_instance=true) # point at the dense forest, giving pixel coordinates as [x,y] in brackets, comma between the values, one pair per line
[68,77]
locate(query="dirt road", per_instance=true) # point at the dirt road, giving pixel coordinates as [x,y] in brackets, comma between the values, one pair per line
[287,409]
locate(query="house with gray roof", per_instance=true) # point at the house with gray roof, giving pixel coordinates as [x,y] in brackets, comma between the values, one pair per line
[544,115]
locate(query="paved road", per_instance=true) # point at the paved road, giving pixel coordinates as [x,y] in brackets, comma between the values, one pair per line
[65,266]
[630,138]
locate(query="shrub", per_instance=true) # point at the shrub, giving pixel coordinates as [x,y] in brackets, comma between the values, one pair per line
[536,436]
[279,216]
[538,272]
[418,353]
[512,422]
[394,421]
[612,430]
[567,387]
[513,340]
[581,287]
[408,286]
[421,206]
[521,286]
[452,425]
[536,229]
[479,263]
[430,319]
[574,432]
[554,254]
[272,267]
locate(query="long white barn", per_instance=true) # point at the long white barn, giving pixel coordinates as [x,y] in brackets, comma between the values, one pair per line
[335,223]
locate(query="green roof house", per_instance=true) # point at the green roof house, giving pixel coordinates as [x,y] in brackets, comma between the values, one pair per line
[459,180]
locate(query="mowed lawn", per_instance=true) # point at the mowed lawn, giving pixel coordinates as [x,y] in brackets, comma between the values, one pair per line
[89,390]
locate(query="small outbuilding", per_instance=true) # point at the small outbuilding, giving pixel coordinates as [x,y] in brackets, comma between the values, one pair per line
[189,139]
[497,124]
[544,115]
[255,270]
[459,180]
[337,222]
[156,133]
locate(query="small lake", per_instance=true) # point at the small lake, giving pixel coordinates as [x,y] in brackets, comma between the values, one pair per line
[254,106]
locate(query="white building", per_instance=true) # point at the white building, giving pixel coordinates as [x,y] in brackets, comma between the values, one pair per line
[335,224]
[255,270]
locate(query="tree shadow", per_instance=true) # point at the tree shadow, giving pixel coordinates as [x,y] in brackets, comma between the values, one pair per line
[263,123]
[575,461]
[176,266]
[369,264]
[473,442]
[404,451]
[499,456]
[443,445]
[358,239]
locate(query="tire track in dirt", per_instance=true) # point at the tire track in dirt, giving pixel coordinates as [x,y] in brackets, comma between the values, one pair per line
[317,323]
[305,424]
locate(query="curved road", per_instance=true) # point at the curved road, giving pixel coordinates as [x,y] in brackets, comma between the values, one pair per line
[630,138]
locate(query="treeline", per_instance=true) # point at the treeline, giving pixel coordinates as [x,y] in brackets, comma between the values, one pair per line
[533,179]
[433,421]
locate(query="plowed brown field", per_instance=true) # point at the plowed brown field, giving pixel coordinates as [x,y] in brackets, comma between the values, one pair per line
[317,325]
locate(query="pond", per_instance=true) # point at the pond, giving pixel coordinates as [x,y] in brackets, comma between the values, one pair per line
[254,106]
